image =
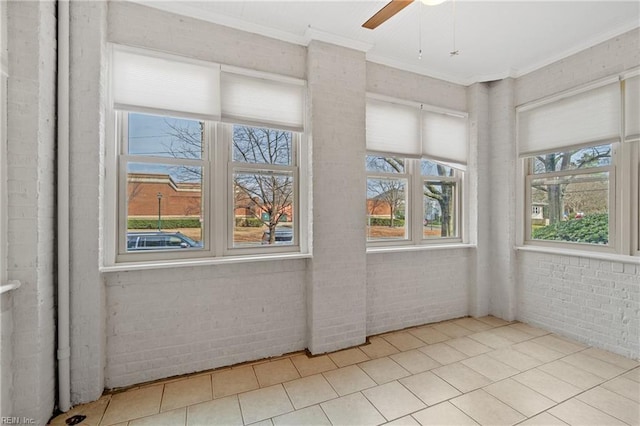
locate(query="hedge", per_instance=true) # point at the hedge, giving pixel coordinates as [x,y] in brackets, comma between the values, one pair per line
[593,228]
[250,222]
[385,221]
[165,223]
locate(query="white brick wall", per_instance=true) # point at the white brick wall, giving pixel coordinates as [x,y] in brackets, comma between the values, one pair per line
[30,187]
[412,288]
[164,323]
[596,302]
[590,300]
[337,282]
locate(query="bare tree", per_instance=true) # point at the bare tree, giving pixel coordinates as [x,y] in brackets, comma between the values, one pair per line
[387,191]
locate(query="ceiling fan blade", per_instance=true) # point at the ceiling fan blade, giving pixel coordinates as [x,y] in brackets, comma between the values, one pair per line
[393,7]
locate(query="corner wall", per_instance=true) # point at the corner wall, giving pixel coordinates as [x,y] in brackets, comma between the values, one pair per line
[31,200]
[593,301]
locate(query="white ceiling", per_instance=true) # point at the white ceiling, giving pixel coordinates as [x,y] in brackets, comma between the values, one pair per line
[495,39]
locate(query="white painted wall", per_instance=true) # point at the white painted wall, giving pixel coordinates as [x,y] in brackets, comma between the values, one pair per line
[593,301]
[29,310]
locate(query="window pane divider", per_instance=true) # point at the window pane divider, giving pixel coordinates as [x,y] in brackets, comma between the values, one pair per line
[147,159]
[251,167]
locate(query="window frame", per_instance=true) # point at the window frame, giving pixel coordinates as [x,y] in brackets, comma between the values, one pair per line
[414,199]
[530,175]
[226,152]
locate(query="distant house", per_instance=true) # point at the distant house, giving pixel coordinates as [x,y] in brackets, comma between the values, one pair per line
[176,198]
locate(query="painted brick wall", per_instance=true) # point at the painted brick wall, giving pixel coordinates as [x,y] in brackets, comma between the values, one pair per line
[337,283]
[416,287]
[593,301]
[30,187]
[167,322]
[590,300]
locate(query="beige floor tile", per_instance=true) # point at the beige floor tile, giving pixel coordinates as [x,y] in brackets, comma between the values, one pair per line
[514,359]
[512,334]
[452,330]
[309,390]
[223,411]
[169,418]
[133,404]
[490,367]
[264,403]
[442,353]
[393,400]
[352,409]
[539,352]
[378,347]
[93,412]
[308,366]
[404,341]
[559,344]
[594,365]
[348,357]
[486,409]
[611,358]
[633,375]
[429,335]
[575,412]
[415,361]
[445,414]
[275,372]
[472,324]
[186,392]
[266,422]
[310,416]
[430,388]
[519,397]
[493,321]
[461,377]
[383,370]
[570,374]
[534,331]
[349,379]
[625,387]
[490,339]
[404,421]
[234,381]
[547,385]
[613,404]
[468,346]
[543,419]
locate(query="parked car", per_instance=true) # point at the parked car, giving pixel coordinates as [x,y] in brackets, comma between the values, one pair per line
[160,241]
[284,235]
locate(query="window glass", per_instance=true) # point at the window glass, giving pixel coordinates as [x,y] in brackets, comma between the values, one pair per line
[264,187]
[431,168]
[164,181]
[572,159]
[572,208]
[375,163]
[386,209]
[440,209]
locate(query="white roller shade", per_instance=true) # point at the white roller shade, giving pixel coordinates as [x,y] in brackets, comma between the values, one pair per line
[253,100]
[165,83]
[393,128]
[444,137]
[590,116]
[632,108]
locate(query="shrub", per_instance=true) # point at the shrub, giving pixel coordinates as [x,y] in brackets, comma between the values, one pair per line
[385,221]
[593,228]
[250,222]
[165,223]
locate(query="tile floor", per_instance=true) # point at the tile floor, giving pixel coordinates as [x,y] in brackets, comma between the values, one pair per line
[460,372]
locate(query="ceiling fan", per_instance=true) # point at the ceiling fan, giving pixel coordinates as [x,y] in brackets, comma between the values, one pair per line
[393,7]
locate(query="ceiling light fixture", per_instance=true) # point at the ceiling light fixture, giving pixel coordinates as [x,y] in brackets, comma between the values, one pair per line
[432,2]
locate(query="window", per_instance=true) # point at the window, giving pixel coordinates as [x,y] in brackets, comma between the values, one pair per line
[578,153]
[208,159]
[569,193]
[411,199]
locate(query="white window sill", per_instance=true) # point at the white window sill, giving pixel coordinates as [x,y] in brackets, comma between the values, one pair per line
[421,247]
[181,263]
[611,257]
